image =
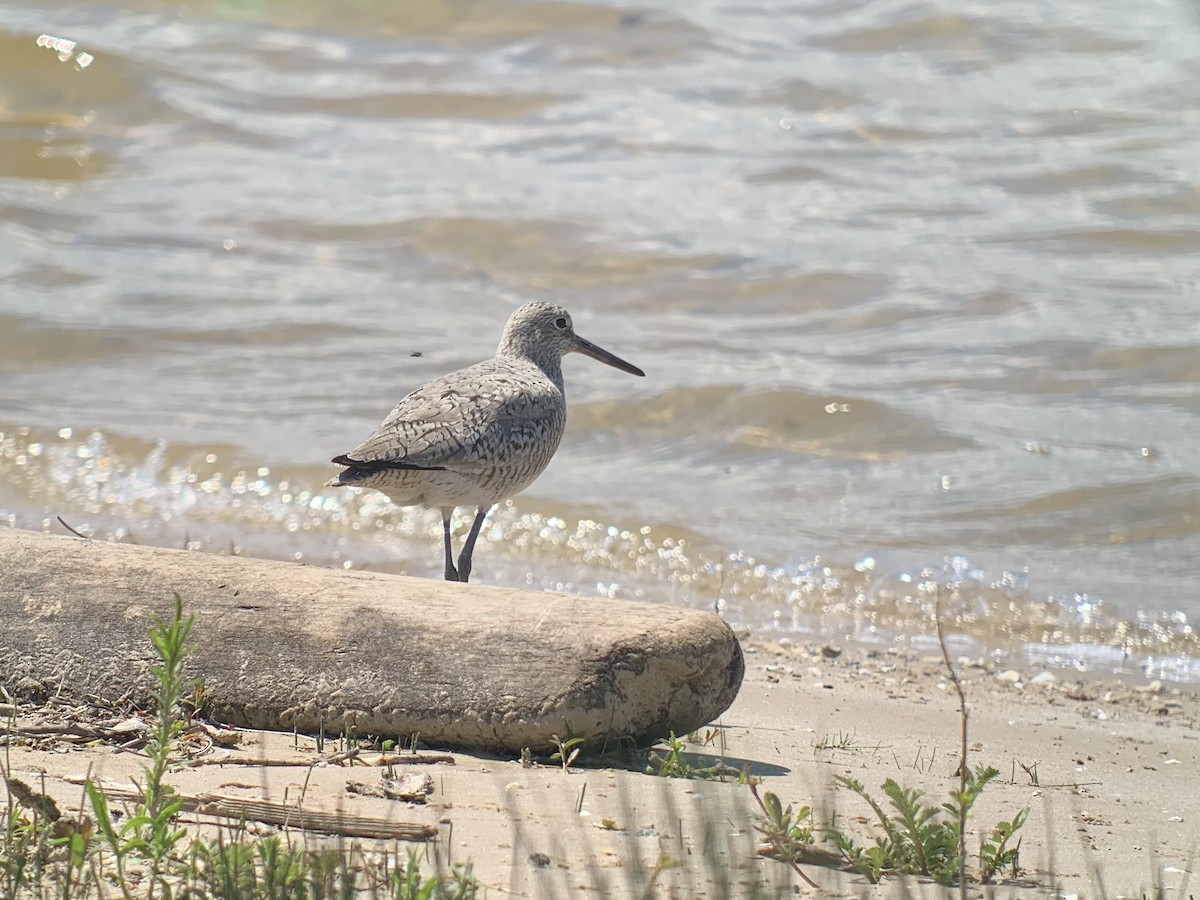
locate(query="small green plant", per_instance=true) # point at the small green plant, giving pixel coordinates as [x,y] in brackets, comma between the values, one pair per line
[38,843]
[221,867]
[994,853]
[789,833]
[786,830]
[673,764]
[921,839]
[567,752]
[150,832]
[236,866]
[123,842]
[870,862]
[388,748]
[74,837]
[407,883]
[159,803]
[21,850]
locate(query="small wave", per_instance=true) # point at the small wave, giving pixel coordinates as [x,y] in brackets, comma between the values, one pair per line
[783,420]
[417,105]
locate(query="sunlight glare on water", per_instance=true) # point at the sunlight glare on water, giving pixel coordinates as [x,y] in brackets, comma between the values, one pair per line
[217,512]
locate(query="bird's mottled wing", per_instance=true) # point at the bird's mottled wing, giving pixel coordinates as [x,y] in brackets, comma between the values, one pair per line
[461,421]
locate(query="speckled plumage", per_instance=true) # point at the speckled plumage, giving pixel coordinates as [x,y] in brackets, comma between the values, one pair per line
[479,435]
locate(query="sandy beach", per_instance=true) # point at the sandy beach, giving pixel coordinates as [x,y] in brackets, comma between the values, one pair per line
[1107,769]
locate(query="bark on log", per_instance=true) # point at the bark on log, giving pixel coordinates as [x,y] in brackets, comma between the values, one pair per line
[283,646]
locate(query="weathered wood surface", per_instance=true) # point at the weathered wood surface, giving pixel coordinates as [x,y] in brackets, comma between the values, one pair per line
[282,646]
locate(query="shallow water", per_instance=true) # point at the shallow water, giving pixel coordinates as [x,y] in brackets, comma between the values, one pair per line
[915,286]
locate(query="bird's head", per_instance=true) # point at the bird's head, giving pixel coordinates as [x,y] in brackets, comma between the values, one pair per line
[544,333]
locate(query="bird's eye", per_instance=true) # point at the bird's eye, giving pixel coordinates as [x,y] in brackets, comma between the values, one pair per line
[561,323]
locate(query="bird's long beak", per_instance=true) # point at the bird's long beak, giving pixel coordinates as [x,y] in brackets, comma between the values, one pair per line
[587,348]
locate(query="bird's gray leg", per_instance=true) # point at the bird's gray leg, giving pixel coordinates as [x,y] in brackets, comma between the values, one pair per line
[451,572]
[464,558]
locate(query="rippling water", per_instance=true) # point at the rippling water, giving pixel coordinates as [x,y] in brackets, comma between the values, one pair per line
[915,285]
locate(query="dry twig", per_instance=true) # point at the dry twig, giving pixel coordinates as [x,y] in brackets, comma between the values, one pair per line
[962,760]
[284,814]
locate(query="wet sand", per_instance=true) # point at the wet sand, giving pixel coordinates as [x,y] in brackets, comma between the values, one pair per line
[1113,811]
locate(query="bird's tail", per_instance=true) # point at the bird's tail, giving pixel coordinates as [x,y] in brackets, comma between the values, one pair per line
[358,470]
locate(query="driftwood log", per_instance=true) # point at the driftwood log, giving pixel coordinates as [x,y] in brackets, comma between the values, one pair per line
[284,646]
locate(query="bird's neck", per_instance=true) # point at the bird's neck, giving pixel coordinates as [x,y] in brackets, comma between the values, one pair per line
[549,362]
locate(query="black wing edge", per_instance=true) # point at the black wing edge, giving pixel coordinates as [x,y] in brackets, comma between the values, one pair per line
[380,465]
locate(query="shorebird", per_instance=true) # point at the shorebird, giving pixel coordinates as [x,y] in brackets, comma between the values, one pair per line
[479,435]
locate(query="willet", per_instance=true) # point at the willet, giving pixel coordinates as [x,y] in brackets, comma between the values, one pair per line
[479,435]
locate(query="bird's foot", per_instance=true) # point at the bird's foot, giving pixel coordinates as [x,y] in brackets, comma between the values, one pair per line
[451,572]
[464,569]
